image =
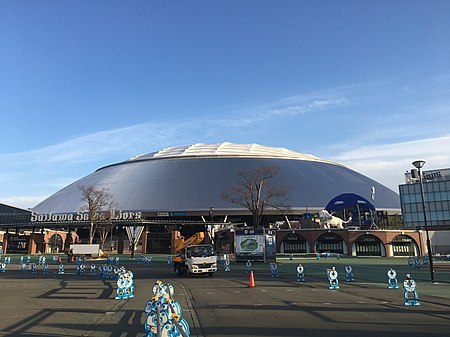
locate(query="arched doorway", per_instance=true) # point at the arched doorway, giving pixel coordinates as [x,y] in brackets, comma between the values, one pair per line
[404,245]
[330,243]
[55,244]
[368,245]
[294,243]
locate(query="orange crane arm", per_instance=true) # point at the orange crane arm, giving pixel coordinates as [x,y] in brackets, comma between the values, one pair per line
[181,243]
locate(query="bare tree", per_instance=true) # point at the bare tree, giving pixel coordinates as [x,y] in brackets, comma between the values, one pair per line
[254,192]
[99,204]
[106,225]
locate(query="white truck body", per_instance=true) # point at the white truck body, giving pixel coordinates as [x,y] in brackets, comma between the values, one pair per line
[197,259]
[202,265]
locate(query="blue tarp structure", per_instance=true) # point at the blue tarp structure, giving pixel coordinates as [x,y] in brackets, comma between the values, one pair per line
[348,200]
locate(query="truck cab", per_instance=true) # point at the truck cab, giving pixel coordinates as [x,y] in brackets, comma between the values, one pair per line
[200,259]
[196,259]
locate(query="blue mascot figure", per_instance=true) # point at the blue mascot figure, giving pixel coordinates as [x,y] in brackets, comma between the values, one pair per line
[300,273]
[274,270]
[333,278]
[392,279]
[248,266]
[411,297]
[227,263]
[349,274]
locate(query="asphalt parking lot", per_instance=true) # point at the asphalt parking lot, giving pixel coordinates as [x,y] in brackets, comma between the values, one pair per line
[71,305]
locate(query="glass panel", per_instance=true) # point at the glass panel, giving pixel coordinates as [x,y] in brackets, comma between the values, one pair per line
[432,216]
[445,205]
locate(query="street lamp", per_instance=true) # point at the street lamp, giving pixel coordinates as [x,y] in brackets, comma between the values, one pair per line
[417,173]
[211,212]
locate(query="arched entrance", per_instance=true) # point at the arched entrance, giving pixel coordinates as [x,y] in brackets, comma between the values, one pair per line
[404,245]
[368,245]
[294,243]
[55,244]
[331,243]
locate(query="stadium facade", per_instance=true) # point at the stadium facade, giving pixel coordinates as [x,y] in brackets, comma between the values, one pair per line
[182,187]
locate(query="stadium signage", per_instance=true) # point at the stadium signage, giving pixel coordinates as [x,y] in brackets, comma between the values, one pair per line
[84,216]
[432,175]
[436,175]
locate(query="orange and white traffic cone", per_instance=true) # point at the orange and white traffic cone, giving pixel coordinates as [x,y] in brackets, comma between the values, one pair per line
[252,281]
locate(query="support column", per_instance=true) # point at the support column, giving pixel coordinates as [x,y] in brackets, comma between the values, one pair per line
[144,241]
[120,241]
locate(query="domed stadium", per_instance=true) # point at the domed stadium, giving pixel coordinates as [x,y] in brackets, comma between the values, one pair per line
[193,178]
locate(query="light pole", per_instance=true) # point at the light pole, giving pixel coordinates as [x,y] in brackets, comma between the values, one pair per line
[211,211]
[418,165]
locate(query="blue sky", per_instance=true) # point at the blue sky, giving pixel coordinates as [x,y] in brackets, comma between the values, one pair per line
[84,84]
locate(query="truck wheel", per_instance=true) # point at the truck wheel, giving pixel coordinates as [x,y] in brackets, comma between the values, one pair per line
[210,274]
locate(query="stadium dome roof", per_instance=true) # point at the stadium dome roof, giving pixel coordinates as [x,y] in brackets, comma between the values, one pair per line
[193,178]
[226,150]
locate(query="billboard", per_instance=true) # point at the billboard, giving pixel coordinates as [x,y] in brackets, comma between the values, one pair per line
[255,245]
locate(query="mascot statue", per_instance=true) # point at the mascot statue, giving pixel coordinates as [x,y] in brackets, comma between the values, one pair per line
[328,220]
[300,273]
[392,279]
[333,278]
[411,297]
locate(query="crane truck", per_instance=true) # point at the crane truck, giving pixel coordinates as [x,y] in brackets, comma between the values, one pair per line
[192,257]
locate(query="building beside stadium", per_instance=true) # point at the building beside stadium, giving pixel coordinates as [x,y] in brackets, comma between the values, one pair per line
[436,186]
[180,190]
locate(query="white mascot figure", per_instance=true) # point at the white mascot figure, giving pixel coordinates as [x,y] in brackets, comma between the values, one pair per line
[328,220]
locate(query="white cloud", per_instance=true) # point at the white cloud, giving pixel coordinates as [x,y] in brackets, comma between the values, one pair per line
[387,163]
[23,201]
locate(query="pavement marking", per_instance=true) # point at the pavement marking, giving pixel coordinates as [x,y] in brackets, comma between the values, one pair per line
[289,290]
[209,292]
[362,302]
[264,290]
[258,305]
[236,291]
[327,303]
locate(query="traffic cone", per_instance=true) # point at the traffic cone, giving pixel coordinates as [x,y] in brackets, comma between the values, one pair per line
[252,281]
